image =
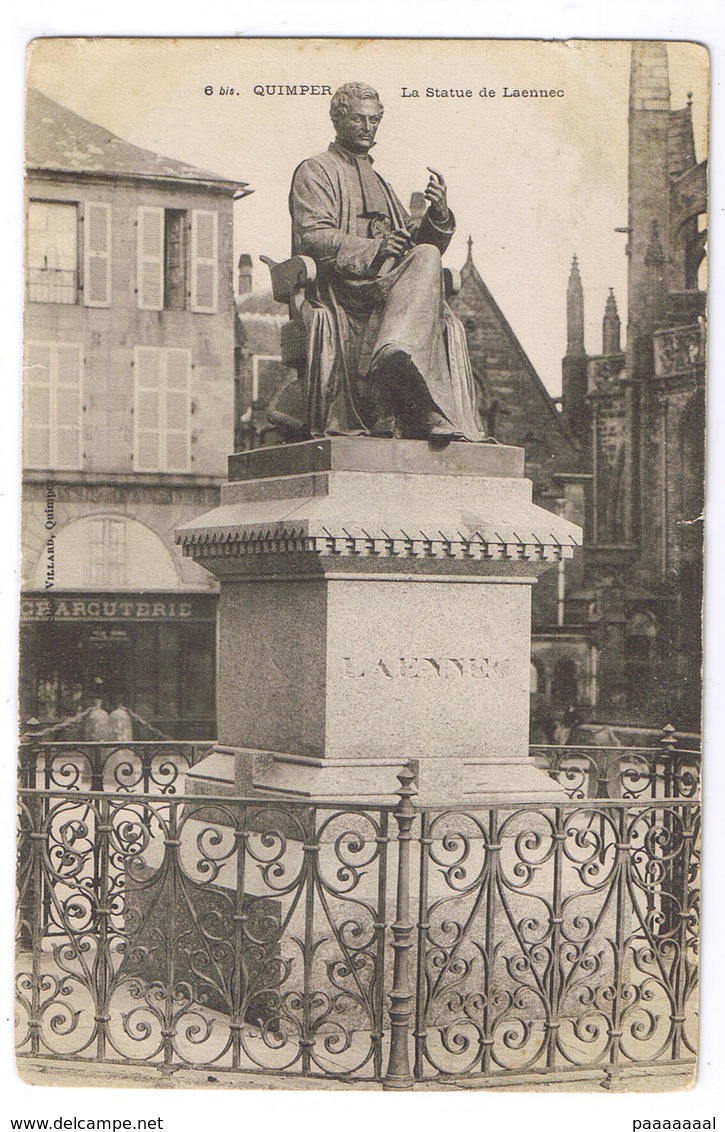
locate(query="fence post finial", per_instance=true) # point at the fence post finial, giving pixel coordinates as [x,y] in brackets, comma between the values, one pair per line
[401,994]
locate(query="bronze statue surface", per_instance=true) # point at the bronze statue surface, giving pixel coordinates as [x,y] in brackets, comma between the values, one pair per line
[384,354]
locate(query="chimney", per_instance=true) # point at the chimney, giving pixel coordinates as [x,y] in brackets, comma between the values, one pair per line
[245,274]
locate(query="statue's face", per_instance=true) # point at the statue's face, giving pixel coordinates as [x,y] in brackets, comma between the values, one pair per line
[357,129]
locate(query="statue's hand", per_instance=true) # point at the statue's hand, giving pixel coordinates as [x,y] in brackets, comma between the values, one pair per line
[395,245]
[436,195]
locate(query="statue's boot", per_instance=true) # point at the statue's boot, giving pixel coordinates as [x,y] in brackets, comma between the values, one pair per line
[384,427]
[404,393]
[439,428]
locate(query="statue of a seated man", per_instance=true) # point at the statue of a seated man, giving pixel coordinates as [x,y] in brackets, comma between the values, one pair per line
[385,354]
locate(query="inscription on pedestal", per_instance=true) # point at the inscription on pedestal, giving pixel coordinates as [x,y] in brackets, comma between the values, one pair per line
[426,667]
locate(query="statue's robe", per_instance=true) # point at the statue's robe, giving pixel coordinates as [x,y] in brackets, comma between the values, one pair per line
[341,210]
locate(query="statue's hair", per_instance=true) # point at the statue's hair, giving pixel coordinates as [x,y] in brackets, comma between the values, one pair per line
[342,96]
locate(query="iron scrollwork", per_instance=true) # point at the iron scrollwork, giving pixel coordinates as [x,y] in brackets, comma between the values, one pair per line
[176,932]
[565,936]
[264,936]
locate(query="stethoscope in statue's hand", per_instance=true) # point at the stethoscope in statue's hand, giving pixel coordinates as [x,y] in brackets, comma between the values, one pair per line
[380,226]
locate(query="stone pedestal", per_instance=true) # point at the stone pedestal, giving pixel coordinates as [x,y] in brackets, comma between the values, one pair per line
[376,608]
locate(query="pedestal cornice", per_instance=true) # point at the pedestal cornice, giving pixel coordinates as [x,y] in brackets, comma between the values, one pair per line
[375,607]
[409,503]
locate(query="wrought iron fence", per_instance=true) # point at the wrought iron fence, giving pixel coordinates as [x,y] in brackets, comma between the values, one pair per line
[563,937]
[665,771]
[122,766]
[385,943]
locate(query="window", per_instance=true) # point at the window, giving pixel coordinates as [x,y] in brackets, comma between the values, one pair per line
[564,683]
[639,658]
[106,562]
[53,275]
[174,259]
[52,410]
[107,552]
[177,259]
[162,409]
[52,252]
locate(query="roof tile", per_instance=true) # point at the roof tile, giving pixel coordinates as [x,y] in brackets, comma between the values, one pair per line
[59,139]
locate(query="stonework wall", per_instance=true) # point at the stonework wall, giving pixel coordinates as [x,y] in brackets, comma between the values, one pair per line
[160,509]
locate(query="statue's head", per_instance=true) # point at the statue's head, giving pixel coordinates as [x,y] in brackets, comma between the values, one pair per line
[356,113]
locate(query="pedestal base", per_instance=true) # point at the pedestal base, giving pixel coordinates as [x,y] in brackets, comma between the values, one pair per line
[241,772]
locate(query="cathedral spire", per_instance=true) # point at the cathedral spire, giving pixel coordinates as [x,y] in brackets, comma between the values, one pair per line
[575,313]
[649,80]
[574,365]
[611,327]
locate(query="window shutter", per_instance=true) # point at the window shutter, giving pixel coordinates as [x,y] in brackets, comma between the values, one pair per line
[68,407]
[53,408]
[36,406]
[177,410]
[97,254]
[147,409]
[150,258]
[162,409]
[204,261]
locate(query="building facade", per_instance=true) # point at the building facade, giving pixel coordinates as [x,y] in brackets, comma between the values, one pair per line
[259,372]
[638,412]
[128,418]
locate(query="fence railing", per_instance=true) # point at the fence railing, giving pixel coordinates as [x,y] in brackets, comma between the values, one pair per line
[386,943]
[662,771]
[156,767]
[665,771]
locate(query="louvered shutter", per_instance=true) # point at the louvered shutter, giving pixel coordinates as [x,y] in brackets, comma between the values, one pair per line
[150,258]
[53,409]
[97,254]
[36,406]
[177,410]
[147,409]
[68,407]
[204,261]
[162,409]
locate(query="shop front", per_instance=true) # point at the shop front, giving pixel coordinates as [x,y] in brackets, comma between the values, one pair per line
[155,653]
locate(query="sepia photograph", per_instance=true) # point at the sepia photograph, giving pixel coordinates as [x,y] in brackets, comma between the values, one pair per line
[361,565]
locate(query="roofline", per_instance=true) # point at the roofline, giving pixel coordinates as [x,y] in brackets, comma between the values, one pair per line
[221,187]
[543,391]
